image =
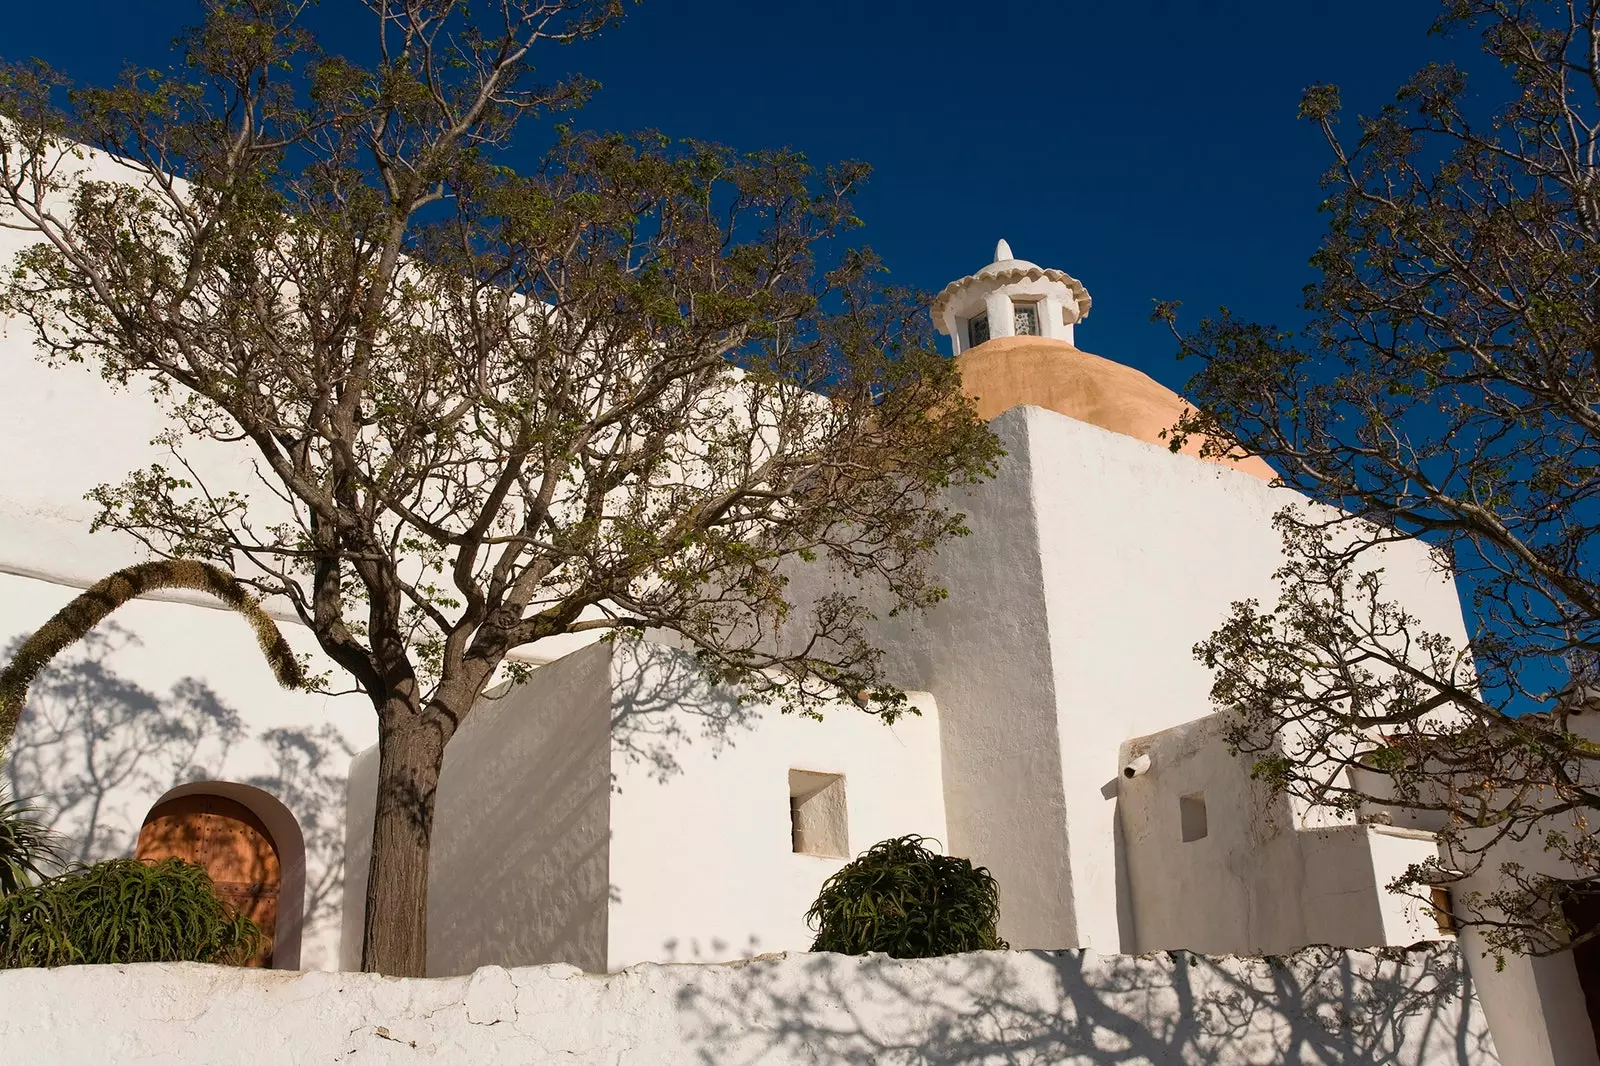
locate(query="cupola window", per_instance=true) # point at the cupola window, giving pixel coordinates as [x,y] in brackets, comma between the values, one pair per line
[1025,320]
[977,331]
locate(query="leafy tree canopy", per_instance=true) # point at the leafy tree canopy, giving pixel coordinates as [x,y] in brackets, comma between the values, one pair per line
[1444,390]
[621,389]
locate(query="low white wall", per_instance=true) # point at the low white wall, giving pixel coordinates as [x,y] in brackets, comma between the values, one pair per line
[1075,1007]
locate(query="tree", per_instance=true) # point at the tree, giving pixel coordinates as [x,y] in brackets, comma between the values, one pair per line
[621,389]
[1444,390]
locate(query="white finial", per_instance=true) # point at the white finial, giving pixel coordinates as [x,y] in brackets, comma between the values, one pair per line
[1002,252]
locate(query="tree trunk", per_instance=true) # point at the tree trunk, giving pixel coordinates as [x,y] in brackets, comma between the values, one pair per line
[395,930]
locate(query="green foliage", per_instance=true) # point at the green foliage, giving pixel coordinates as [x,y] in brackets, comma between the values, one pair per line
[1442,391]
[481,400]
[123,910]
[909,902]
[27,846]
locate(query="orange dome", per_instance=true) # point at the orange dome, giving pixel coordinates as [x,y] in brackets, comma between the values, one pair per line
[1007,371]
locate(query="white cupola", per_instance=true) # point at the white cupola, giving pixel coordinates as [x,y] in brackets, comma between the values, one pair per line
[1010,298]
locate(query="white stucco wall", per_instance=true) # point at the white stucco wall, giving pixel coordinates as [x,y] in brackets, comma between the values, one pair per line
[702,862]
[164,694]
[984,652]
[1258,881]
[1095,563]
[1539,1002]
[1026,1009]
[1534,1006]
[519,866]
[1142,552]
[1238,888]
[614,808]
[169,691]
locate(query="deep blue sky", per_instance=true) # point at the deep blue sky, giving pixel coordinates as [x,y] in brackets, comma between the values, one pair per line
[1151,148]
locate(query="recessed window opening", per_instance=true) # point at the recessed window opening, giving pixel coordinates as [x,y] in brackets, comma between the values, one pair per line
[1192,816]
[818,817]
[1025,319]
[1443,910]
[977,330]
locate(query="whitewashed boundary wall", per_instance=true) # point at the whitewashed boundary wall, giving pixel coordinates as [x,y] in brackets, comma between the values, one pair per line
[1319,1006]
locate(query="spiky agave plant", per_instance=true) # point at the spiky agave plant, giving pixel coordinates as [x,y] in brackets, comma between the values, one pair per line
[906,900]
[124,910]
[28,847]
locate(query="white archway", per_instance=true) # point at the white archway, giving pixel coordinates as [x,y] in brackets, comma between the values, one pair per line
[291,845]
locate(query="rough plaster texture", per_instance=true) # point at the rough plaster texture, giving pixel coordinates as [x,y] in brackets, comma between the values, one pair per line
[1536,1006]
[614,808]
[171,696]
[1141,549]
[1239,887]
[986,652]
[1258,881]
[1075,1008]
[1095,563]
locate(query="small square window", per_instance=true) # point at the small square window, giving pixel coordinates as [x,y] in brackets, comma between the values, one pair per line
[977,331]
[1192,816]
[1025,320]
[1443,910]
[818,818]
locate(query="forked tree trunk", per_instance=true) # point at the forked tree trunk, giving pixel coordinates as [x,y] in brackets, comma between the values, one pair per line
[395,930]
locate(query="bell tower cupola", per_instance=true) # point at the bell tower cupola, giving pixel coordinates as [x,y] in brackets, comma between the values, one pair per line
[1010,297]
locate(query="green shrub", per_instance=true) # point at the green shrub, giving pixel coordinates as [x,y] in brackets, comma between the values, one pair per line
[27,846]
[905,900]
[123,910]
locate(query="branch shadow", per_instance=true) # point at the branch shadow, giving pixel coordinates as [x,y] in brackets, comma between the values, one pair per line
[1322,1006]
[663,701]
[91,741]
[95,749]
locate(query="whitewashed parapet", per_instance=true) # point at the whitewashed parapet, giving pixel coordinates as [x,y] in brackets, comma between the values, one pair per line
[1320,1006]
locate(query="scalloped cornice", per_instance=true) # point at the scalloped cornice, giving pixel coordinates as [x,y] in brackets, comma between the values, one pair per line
[1004,273]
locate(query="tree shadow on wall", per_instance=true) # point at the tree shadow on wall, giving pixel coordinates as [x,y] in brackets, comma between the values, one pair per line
[663,702]
[309,768]
[91,743]
[95,749]
[1320,1006]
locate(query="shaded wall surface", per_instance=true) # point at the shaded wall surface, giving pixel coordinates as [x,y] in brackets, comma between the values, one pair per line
[1318,1006]
[616,808]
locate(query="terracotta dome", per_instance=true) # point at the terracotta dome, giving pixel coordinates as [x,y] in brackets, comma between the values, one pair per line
[1007,371]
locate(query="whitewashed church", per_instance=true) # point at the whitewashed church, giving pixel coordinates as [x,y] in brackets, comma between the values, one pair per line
[613,809]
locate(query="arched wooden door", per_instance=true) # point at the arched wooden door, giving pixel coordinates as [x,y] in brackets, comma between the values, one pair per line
[226,838]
